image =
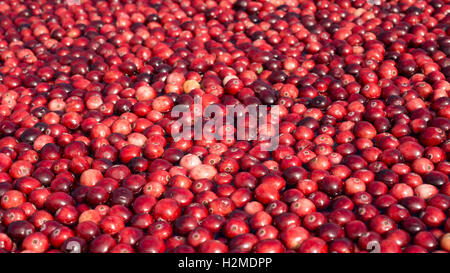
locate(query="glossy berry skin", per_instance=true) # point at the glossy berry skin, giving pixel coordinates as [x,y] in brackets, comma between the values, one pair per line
[150,244]
[167,209]
[36,242]
[213,246]
[102,244]
[313,245]
[269,246]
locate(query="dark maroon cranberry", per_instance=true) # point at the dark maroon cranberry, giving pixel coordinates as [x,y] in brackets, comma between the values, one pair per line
[321,200]
[294,174]
[44,175]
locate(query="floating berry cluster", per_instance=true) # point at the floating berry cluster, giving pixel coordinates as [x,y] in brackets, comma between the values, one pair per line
[89,162]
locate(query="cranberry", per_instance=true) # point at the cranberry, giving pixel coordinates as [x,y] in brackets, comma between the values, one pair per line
[160,229]
[150,244]
[234,227]
[414,204]
[59,235]
[413,225]
[18,230]
[331,185]
[330,232]
[269,246]
[243,243]
[102,244]
[74,245]
[213,246]
[267,232]
[36,242]
[93,157]
[87,230]
[199,235]
[313,245]
[399,236]
[185,224]
[302,207]
[426,240]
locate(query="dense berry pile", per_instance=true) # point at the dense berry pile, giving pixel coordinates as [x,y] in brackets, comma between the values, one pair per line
[89,162]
